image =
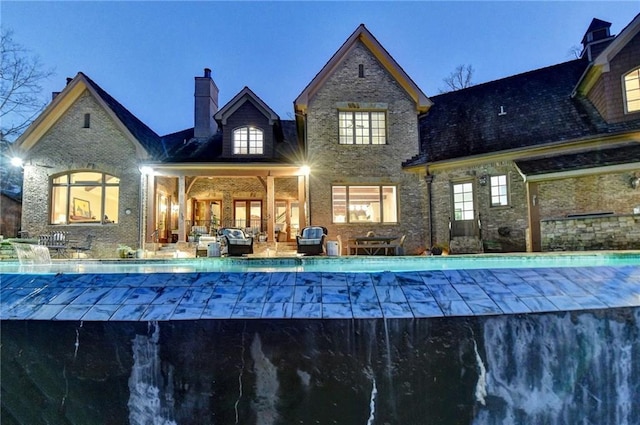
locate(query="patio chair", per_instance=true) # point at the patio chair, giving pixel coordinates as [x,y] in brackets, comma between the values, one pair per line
[84,247]
[311,240]
[400,247]
[236,241]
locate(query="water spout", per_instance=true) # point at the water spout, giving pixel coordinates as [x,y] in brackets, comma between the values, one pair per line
[29,254]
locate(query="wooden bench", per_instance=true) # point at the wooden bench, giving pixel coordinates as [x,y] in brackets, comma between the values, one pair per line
[56,241]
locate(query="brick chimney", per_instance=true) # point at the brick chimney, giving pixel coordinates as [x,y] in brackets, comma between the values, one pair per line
[205,106]
[596,39]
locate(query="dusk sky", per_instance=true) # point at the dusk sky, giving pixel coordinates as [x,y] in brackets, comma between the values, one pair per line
[146,54]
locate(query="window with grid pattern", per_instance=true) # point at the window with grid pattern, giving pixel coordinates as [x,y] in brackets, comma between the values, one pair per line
[362,127]
[632,90]
[248,141]
[463,201]
[499,191]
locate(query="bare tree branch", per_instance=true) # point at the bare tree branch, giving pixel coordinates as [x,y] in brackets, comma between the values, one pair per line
[21,75]
[458,79]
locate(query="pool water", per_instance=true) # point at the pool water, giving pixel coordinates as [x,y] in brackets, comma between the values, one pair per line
[333,264]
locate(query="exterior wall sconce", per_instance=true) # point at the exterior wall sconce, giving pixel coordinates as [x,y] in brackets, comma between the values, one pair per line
[635,181]
[127,211]
[482,180]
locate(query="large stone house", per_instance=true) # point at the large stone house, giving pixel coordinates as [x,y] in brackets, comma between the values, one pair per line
[548,159]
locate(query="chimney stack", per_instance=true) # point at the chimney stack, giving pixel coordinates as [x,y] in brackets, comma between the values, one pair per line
[206,105]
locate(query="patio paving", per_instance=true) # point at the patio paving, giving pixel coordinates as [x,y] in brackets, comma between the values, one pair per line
[315,295]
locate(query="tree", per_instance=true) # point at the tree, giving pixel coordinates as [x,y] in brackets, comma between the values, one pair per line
[21,75]
[458,79]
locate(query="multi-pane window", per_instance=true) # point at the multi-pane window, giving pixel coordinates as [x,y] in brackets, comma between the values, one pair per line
[362,127]
[248,141]
[365,204]
[632,90]
[499,191]
[84,197]
[463,201]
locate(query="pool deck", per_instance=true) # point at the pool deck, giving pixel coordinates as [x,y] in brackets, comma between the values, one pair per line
[315,295]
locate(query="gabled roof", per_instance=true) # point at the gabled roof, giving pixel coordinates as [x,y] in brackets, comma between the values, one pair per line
[596,24]
[190,150]
[520,111]
[147,142]
[245,95]
[362,34]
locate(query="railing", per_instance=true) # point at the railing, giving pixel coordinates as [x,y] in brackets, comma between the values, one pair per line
[252,226]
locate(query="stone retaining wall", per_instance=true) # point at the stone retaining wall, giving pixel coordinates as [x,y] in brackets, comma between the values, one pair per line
[591,233]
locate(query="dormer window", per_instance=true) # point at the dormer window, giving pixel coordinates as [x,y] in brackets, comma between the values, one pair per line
[631,88]
[248,141]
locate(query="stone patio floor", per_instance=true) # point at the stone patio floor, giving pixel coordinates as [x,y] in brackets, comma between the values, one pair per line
[315,295]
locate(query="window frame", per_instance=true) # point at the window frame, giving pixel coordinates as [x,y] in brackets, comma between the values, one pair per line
[245,148]
[348,204]
[69,195]
[506,195]
[625,90]
[474,209]
[354,136]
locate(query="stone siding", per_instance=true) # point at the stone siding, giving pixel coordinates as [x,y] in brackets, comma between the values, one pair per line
[332,163]
[591,233]
[67,146]
[503,227]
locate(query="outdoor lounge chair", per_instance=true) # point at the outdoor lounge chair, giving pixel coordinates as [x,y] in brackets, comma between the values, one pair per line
[311,240]
[84,247]
[237,242]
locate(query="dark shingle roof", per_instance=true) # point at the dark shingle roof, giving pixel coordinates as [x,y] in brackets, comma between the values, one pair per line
[582,160]
[287,149]
[538,109]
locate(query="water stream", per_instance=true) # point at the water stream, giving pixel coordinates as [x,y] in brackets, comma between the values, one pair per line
[557,368]
[30,254]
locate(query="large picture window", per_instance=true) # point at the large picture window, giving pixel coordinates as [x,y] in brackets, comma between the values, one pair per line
[365,204]
[84,197]
[248,141]
[632,90]
[362,128]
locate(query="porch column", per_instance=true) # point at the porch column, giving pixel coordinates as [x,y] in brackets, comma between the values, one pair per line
[181,209]
[271,208]
[150,212]
[302,199]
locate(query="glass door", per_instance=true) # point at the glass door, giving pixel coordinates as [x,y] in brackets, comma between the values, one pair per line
[248,216]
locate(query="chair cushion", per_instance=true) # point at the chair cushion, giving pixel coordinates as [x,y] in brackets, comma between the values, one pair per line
[312,233]
[307,241]
[239,241]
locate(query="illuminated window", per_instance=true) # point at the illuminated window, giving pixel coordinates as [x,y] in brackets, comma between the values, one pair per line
[463,201]
[364,204]
[248,141]
[362,128]
[632,90]
[84,197]
[499,191]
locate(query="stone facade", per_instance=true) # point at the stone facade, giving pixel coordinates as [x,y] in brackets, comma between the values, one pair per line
[332,163]
[591,233]
[503,227]
[66,147]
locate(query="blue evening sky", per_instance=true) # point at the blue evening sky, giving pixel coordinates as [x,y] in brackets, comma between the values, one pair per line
[146,54]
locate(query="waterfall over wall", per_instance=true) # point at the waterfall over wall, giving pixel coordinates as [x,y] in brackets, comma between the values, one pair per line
[562,369]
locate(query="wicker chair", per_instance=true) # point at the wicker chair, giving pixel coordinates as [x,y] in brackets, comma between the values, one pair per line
[236,241]
[311,240]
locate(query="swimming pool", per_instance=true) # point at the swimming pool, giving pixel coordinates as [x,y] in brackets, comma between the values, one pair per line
[333,264]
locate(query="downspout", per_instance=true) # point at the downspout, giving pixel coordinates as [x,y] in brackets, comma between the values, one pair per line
[428,178]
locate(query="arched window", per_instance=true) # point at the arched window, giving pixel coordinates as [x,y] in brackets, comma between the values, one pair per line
[631,83]
[248,141]
[84,197]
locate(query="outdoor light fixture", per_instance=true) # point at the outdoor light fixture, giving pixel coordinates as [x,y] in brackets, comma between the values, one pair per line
[305,170]
[16,162]
[146,170]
